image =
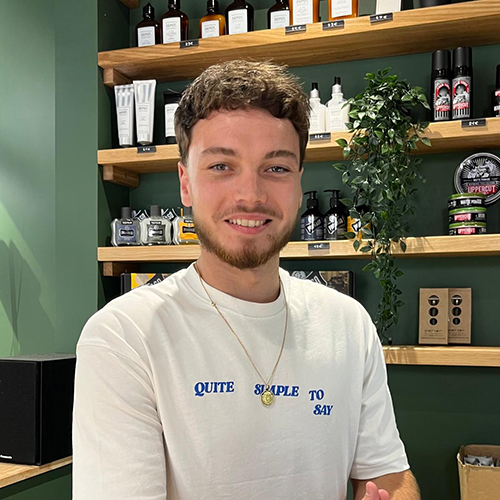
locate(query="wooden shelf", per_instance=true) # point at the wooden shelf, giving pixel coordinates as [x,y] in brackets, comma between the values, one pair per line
[442,355]
[133,4]
[429,246]
[12,473]
[420,30]
[124,166]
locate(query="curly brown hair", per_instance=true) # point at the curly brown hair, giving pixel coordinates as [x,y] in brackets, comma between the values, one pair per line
[242,85]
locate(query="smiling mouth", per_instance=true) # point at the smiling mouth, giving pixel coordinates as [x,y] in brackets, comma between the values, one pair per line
[248,222]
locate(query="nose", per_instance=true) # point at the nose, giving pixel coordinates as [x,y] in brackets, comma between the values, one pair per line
[250,188]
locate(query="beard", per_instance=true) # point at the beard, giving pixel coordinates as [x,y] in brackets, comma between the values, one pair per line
[249,257]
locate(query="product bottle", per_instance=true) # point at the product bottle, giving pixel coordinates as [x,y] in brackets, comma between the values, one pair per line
[496,96]
[155,230]
[311,221]
[174,23]
[304,11]
[171,100]
[278,16]
[335,220]
[317,118]
[184,231]
[125,231]
[147,32]
[338,114]
[354,224]
[239,17]
[342,9]
[462,83]
[213,23]
[440,85]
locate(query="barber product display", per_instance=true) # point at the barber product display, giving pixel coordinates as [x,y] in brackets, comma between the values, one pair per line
[304,11]
[174,23]
[311,221]
[239,17]
[462,83]
[184,232]
[335,219]
[155,229]
[278,16]
[441,86]
[213,23]
[145,110]
[125,109]
[342,9]
[318,115]
[338,110]
[496,95]
[171,104]
[148,31]
[125,231]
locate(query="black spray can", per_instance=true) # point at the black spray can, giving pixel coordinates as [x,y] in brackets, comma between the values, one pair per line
[462,83]
[496,96]
[440,86]
[311,221]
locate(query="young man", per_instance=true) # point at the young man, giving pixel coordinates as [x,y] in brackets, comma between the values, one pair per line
[230,379]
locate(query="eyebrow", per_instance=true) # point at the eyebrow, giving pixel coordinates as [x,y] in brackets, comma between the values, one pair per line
[281,153]
[220,151]
[278,153]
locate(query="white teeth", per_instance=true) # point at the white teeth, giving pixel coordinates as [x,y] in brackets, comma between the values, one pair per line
[247,222]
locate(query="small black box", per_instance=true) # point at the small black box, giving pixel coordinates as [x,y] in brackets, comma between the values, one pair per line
[36,408]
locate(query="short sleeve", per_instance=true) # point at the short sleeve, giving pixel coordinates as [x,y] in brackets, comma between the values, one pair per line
[118,446]
[379,449]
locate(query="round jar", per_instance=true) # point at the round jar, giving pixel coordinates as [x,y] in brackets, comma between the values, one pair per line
[473,214]
[466,200]
[463,228]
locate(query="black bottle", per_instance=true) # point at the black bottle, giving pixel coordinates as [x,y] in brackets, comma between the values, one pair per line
[311,221]
[147,32]
[440,86]
[496,96]
[462,83]
[335,219]
[239,17]
[278,16]
[174,23]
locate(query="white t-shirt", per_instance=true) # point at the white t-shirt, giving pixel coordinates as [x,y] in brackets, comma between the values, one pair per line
[167,403]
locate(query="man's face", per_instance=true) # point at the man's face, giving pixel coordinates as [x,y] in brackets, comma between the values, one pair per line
[244,184]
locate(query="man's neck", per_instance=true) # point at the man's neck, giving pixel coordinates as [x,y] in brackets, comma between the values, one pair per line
[254,285]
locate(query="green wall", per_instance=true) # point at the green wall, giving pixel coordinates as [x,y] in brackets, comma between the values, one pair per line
[48,188]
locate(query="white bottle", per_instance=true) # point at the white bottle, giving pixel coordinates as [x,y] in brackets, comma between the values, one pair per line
[337,112]
[317,118]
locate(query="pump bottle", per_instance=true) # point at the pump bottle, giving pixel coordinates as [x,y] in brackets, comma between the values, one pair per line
[174,23]
[213,23]
[317,118]
[335,219]
[311,221]
[338,114]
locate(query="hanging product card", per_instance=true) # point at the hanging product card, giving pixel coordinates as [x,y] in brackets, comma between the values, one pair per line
[325,136]
[341,8]
[381,18]
[333,25]
[460,315]
[474,123]
[210,29]
[302,11]
[385,6]
[297,28]
[238,21]
[433,324]
[280,19]
[171,29]
[146,149]
[146,36]
[189,43]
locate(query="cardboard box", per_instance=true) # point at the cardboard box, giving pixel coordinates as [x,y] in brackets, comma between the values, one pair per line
[478,482]
[129,281]
[460,315]
[433,321]
[342,281]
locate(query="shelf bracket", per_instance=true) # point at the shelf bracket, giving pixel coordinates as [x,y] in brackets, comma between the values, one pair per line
[120,176]
[112,77]
[116,268]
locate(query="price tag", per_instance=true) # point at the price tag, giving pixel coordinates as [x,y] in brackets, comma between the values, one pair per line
[189,43]
[333,25]
[296,28]
[318,248]
[325,136]
[146,149]
[474,123]
[381,18]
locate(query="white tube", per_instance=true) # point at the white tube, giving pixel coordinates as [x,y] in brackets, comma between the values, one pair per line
[124,96]
[145,110]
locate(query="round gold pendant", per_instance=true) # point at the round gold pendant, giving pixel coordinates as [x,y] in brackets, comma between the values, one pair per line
[267,397]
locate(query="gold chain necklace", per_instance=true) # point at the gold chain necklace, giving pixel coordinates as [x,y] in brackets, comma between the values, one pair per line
[267,397]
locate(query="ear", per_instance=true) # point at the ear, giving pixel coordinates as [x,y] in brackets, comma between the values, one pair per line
[185,186]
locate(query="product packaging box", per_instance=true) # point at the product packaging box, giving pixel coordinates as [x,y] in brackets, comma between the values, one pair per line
[129,281]
[343,281]
[433,324]
[478,482]
[460,316]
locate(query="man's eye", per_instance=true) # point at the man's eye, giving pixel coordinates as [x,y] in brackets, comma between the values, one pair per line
[278,169]
[220,167]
